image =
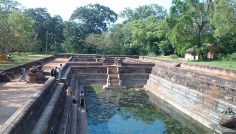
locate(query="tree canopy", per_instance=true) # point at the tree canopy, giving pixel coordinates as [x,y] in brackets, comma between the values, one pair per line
[145,30]
[94,18]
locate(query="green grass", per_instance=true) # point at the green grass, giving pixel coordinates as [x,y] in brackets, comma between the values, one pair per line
[213,63]
[94,88]
[216,63]
[20,59]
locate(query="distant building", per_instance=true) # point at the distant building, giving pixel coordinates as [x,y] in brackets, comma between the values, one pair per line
[189,54]
[207,54]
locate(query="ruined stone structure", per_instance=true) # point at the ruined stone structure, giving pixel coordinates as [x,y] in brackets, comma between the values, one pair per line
[200,95]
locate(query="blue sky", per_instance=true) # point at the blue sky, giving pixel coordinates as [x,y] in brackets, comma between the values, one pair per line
[65,8]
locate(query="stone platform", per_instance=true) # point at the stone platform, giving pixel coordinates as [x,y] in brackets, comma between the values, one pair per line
[14,94]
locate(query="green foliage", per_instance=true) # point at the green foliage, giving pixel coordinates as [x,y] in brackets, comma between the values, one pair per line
[227,57]
[94,18]
[146,34]
[22,28]
[224,23]
[47,29]
[174,56]
[143,12]
[95,41]
[189,24]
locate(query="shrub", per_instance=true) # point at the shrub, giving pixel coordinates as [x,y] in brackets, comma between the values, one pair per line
[174,56]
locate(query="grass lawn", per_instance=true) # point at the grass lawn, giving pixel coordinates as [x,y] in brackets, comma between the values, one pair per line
[215,63]
[20,59]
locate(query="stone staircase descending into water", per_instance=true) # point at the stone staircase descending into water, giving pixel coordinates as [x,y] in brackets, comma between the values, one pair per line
[113,79]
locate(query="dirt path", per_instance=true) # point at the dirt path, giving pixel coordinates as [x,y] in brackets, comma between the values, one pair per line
[14,94]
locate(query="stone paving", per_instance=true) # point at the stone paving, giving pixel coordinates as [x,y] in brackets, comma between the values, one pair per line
[14,94]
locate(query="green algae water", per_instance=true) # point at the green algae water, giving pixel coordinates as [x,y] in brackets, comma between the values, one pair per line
[130,112]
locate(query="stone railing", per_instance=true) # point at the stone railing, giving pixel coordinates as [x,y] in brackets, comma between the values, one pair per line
[23,120]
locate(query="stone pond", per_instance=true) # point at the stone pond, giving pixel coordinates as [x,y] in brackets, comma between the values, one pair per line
[127,112]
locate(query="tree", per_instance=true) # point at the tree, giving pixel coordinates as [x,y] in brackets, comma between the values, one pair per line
[224,24]
[74,38]
[146,35]
[94,41]
[143,12]
[190,25]
[9,5]
[22,28]
[5,31]
[94,18]
[117,40]
[44,24]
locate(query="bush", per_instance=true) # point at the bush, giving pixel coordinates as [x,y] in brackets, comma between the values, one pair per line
[152,54]
[174,56]
[227,57]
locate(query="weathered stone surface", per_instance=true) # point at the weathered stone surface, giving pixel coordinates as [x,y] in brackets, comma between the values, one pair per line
[227,118]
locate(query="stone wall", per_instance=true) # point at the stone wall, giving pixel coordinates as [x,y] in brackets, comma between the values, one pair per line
[23,120]
[203,97]
[159,61]
[91,75]
[221,87]
[17,69]
[216,70]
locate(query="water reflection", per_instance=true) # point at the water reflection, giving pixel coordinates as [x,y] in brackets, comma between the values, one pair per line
[112,112]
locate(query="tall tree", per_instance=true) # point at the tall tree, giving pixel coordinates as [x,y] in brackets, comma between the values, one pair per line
[94,18]
[224,25]
[47,28]
[74,38]
[22,28]
[42,24]
[94,41]
[146,35]
[189,24]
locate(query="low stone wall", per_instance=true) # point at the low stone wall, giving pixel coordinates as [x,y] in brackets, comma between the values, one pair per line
[134,79]
[50,118]
[23,120]
[66,118]
[152,59]
[90,70]
[17,69]
[216,70]
[88,64]
[134,69]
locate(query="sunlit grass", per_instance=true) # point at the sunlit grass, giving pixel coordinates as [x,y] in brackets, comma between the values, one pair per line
[20,59]
[215,63]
